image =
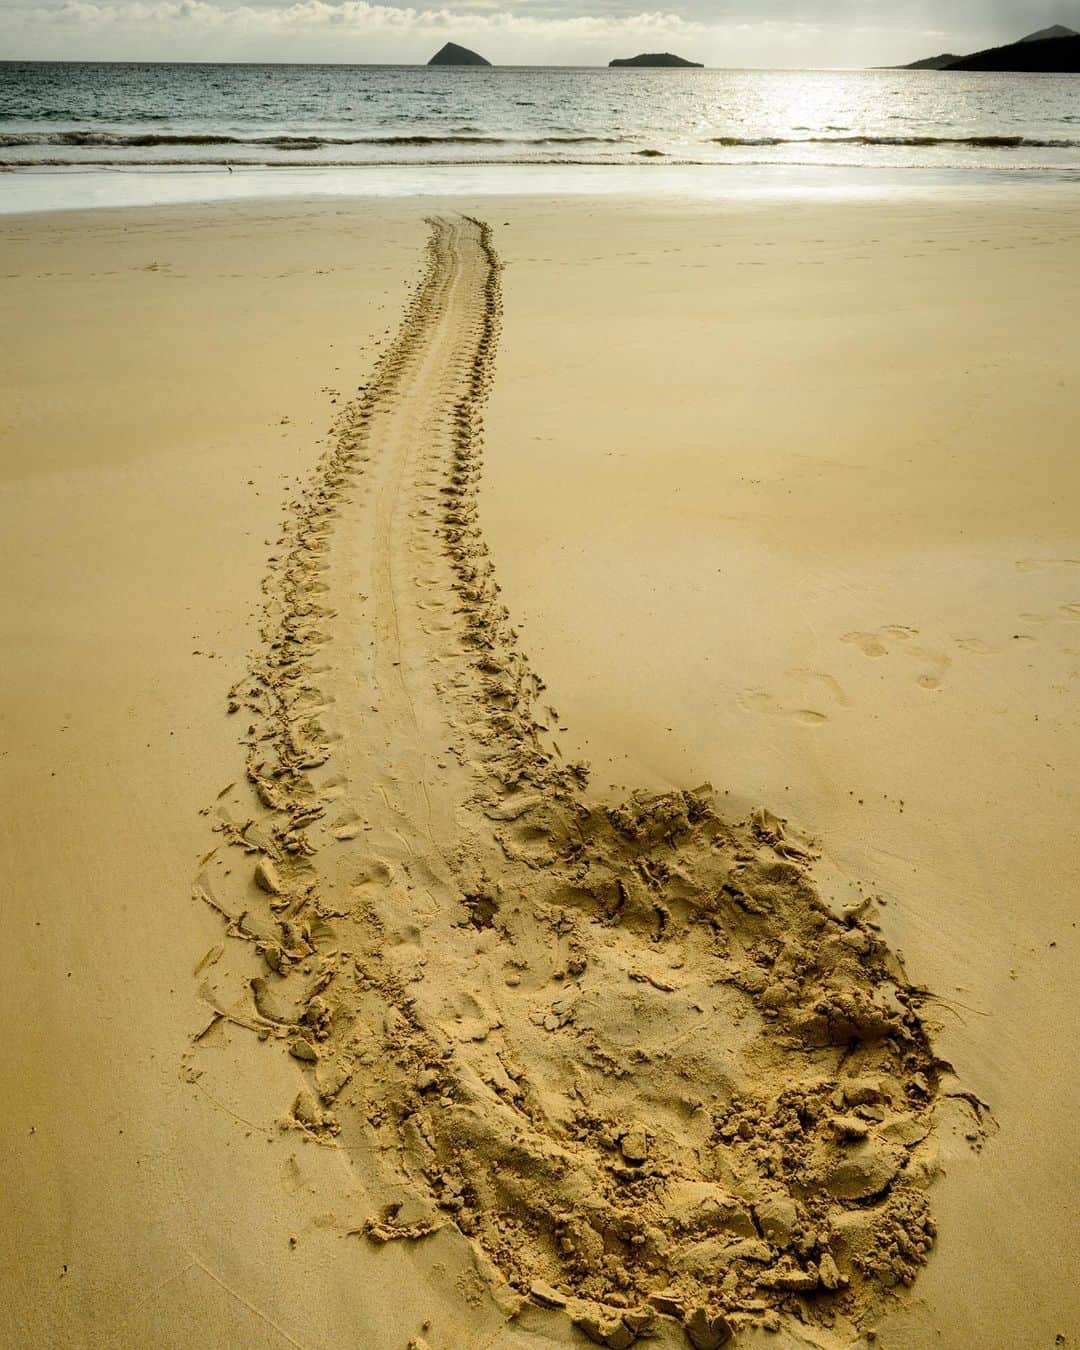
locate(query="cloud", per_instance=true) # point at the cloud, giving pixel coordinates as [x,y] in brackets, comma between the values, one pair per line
[308,16]
[719,32]
[329,30]
[324,30]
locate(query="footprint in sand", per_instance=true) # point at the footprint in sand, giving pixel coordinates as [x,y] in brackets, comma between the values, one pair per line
[975,645]
[937,664]
[880,643]
[876,643]
[760,701]
[824,681]
[1070,611]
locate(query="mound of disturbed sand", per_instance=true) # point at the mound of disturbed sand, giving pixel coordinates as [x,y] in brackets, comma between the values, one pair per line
[623,1047]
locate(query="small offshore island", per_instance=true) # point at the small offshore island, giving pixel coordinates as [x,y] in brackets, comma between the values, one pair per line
[656,59]
[453,55]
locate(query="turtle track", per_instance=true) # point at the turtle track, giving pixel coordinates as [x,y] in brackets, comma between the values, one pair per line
[623,1047]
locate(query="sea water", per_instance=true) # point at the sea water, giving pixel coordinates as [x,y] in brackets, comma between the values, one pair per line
[75,133]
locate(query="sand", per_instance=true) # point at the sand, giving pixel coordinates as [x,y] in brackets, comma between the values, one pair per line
[446,1029]
[828,562]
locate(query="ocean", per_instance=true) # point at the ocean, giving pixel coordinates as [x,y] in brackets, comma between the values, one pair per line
[279,126]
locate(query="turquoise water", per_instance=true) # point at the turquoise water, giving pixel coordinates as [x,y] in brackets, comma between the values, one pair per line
[272,125]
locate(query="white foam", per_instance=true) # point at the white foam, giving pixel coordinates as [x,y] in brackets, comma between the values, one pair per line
[52,189]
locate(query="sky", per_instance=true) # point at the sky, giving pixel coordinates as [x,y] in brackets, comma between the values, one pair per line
[772,33]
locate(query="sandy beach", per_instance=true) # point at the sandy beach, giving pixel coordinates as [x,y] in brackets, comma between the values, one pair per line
[385,973]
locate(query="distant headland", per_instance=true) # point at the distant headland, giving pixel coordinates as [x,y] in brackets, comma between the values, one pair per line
[1053,50]
[453,55]
[656,59]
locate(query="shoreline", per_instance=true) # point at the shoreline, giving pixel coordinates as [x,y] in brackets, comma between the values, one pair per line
[736,667]
[42,191]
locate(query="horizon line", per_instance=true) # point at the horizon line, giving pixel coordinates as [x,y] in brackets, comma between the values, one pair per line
[425,65]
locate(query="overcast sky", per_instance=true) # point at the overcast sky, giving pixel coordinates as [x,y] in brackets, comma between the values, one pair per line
[572,32]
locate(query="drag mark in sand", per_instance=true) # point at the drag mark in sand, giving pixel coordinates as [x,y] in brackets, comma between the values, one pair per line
[623,1048]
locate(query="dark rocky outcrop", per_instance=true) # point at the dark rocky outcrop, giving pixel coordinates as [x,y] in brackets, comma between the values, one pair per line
[1050,49]
[942,62]
[656,59]
[1048,55]
[453,55]
[1057,30]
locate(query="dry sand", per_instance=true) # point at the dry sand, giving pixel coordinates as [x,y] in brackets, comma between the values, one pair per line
[765,493]
[822,549]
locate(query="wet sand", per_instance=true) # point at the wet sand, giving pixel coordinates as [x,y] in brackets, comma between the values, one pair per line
[674,403]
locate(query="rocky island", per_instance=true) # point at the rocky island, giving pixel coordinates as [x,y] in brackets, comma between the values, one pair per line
[453,55]
[656,59]
[1059,55]
[1050,50]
